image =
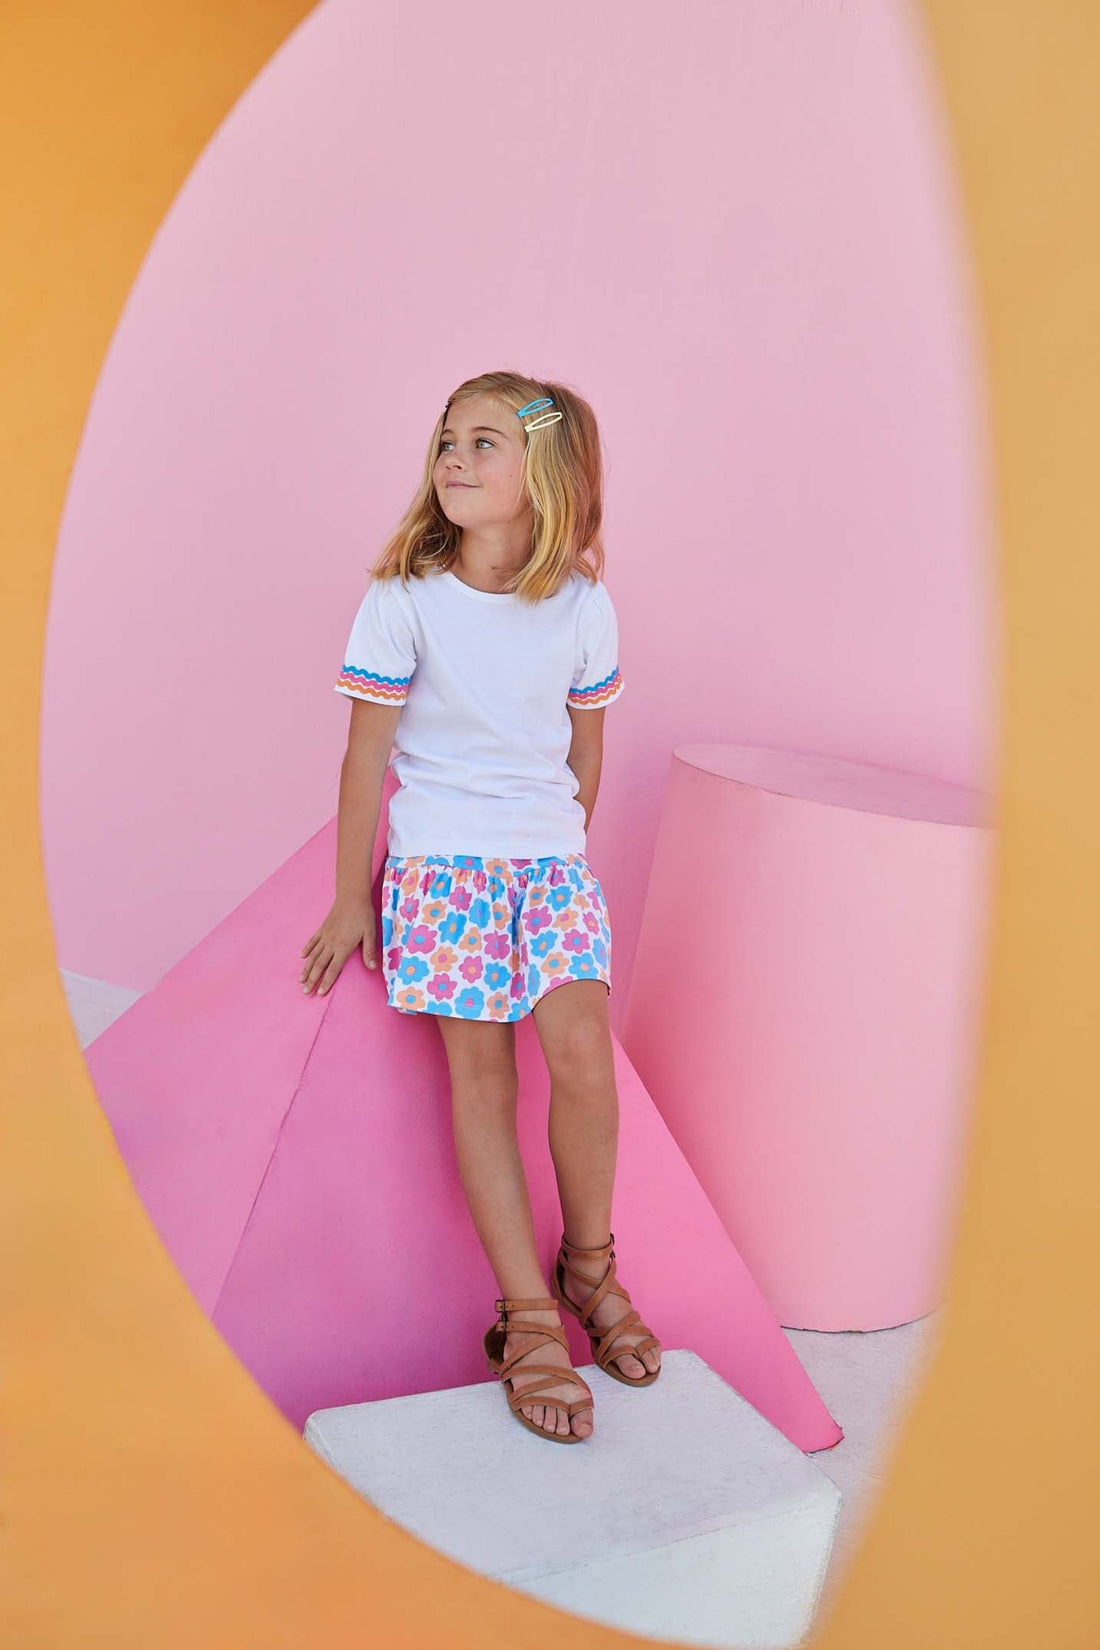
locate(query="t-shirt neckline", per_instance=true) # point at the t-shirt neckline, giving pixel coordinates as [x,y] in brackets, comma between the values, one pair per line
[479,595]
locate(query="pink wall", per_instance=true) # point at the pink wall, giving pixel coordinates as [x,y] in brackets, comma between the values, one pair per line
[735,232]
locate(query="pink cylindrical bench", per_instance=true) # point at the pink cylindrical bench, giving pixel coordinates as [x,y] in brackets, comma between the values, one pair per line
[804,1011]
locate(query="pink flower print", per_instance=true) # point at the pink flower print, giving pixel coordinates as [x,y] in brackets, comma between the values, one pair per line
[516,987]
[445,959]
[480,881]
[421,938]
[460,898]
[441,986]
[470,969]
[576,940]
[411,998]
[393,958]
[409,909]
[498,1005]
[591,922]
[497,945]
[434,910]
[426,880]
[533,921]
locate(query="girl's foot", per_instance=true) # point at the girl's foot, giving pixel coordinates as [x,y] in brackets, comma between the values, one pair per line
[543,1414]
[607,1314]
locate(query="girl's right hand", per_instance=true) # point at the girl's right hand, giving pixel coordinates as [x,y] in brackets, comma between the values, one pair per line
[345,927]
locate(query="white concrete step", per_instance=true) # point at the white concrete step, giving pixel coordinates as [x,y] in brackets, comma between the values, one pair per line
[686,1516]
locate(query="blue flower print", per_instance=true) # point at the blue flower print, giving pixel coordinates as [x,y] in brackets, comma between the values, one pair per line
[479,912]
[440,885]
[387,930]
[599,951]
[583,968]
[559,897]
[534,980]
[496,976]
[543,944]
[452,926]
[468,862]
[412,969]
[470,1002]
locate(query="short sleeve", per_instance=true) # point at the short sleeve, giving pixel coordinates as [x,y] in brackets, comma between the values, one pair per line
[596,677]
[381,654]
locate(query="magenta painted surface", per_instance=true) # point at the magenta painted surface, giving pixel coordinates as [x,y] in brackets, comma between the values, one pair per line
[817,1087]
[308,1191]
[733,229]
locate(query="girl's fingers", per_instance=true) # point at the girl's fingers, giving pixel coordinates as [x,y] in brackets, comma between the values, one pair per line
[331,974]
[317,969]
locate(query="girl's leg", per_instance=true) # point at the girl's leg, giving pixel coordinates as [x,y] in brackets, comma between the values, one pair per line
[484,1092]
[575,1034]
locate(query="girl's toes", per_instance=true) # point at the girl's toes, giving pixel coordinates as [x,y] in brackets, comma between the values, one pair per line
[582,1423]
[631,1366]
[563,1422]
[538,1413]
[651,1358]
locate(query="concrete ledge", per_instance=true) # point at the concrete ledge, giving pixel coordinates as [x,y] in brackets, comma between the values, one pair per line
[686,1516]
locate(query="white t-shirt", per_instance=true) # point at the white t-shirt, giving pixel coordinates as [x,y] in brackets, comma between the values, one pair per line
[484,679]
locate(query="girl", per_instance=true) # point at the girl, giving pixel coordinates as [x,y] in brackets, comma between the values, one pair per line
[485,653]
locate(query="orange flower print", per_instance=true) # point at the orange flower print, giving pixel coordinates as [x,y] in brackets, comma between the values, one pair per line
[444,959]
[497,867]
[434,910]
[470,941]
[410,999]
[498,1005]
[555,964]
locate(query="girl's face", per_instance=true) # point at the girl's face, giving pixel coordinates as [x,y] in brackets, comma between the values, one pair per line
[477,473]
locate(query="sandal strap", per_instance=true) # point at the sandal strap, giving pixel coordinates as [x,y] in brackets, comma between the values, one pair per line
[553,1376]
[526,1351]
[607,1285]
[544,1304]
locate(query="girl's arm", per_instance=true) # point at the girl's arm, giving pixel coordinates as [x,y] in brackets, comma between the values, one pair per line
[350,922]
[586,755]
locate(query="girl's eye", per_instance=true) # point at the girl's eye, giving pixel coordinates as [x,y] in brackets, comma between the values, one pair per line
[443,445]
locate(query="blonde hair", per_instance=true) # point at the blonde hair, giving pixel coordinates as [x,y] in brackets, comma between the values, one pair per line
[562,477]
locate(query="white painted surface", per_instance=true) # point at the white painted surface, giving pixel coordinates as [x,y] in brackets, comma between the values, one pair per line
[685,1516]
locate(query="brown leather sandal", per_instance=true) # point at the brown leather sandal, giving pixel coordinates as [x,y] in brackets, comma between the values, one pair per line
[501,1366]
[601,1340]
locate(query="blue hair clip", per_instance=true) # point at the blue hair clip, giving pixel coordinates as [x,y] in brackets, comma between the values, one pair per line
[533,406]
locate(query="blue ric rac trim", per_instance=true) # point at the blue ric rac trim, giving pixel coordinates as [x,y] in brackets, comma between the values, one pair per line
[599,692]
[391,688]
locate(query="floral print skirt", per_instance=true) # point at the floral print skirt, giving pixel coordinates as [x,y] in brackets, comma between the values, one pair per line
[484,938]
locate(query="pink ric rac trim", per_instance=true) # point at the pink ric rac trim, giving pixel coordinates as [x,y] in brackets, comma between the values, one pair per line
[367,684]
[599,693]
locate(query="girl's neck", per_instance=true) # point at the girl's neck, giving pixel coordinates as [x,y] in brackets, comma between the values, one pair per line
[489,564]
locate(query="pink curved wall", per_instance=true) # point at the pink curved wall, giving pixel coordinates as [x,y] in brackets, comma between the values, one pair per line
[735,231]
